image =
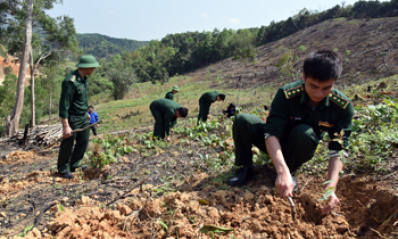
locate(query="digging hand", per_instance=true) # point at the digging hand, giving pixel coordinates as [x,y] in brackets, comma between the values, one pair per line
[284,184]
[332,203]
[168,139]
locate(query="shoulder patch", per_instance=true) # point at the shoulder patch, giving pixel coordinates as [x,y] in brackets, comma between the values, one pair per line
[339,101]
[73,78]
[293,92]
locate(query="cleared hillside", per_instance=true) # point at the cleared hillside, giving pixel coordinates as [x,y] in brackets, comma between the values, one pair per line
[369,48]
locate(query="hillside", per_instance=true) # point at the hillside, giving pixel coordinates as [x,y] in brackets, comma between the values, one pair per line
[369,47]
[7,64]
[102,46]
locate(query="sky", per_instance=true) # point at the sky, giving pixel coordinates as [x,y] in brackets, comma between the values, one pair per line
[146,20]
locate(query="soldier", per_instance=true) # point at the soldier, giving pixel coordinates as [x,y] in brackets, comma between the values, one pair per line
[205,101]
[174,90]
[166,112]
[301,113]
[73,107]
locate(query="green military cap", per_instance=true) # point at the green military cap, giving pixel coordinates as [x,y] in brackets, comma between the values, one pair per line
[87,61]
[176,88]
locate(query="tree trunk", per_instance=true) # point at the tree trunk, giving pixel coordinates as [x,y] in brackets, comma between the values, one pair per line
[32,89]
[12,126]
[49,108]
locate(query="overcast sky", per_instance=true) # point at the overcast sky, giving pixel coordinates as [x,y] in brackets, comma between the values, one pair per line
[146,20]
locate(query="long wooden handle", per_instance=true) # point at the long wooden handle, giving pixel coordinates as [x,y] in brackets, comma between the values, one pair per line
[83,129]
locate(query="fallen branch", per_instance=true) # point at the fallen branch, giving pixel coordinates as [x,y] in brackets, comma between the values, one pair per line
[126,194]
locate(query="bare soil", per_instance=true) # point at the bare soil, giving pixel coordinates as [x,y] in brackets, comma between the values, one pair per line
[180,191]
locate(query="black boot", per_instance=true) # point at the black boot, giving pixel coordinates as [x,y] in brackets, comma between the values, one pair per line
[243,176]
[67,175]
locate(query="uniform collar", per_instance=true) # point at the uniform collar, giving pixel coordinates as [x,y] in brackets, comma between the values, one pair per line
[79,77]
[324,103]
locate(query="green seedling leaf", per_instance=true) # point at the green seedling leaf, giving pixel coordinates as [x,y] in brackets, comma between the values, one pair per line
[61,208]
[165,227]
[328,190]
[213,228]
[330,181]
[29,228]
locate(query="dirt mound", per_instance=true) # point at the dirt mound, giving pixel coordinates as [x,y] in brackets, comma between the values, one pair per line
[258,212]
[22,157]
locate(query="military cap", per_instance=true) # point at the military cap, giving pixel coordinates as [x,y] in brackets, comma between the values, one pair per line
[87,61]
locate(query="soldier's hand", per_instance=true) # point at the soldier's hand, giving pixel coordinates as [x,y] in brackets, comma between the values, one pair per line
[332,203]
[168,139]
[284,184]
[208,116]
[67,132]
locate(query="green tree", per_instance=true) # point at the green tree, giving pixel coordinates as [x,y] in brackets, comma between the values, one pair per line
[122,81]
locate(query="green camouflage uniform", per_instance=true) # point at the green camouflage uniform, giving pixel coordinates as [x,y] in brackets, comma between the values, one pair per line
[169,95]
[74,106]
[204,104]
[163,110]
[298,126]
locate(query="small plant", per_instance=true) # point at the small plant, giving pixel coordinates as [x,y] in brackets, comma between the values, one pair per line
[328,192]
[27,229]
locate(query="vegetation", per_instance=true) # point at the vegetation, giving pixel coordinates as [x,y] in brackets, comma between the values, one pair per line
[102,46]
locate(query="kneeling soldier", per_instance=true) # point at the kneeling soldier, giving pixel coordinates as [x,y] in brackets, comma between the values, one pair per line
[166,112]
[301,113]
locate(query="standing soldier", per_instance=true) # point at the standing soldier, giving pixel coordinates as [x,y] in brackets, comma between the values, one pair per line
[301,113]
[93,119]
[170,95]
[73,107]
[204,104]
[166,112]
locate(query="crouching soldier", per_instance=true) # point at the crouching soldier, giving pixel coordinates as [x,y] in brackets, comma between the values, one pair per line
[170,95]
[165,112]
[301,113]
[205,102]
[230,111]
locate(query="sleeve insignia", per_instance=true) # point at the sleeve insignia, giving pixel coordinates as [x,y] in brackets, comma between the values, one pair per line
[293,92]
[73,78]
[339,101]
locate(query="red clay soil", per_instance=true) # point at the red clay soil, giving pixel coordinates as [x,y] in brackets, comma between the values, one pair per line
[10,62]
[368,209]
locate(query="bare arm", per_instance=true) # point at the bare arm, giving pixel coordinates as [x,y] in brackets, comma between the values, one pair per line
[284,182]
[66,128]
[335,166]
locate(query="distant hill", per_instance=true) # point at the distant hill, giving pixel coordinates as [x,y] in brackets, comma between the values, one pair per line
[102,46]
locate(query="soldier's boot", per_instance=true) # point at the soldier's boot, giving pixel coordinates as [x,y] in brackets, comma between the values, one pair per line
[67,175]
[243,176]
